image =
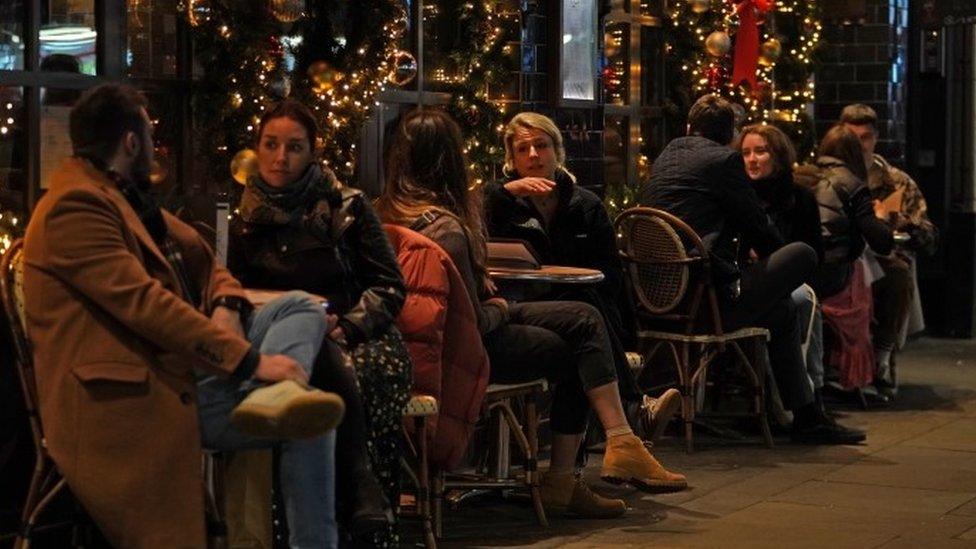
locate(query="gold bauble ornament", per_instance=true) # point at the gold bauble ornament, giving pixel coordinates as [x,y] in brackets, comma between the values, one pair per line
[718,44]
[403,68]
[244,165]
[324,76]
[700,6]
[769,52]
[288,11]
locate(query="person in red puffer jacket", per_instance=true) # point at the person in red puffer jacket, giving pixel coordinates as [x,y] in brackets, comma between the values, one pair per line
[440,328]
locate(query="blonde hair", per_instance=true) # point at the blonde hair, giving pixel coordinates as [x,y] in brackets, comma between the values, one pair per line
[534,121]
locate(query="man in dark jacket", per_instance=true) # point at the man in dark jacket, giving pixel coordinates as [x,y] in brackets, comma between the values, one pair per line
[701,180]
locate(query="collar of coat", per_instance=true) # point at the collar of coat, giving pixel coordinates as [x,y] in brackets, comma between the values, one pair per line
[78,172]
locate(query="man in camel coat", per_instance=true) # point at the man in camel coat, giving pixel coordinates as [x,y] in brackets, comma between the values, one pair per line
[126,309]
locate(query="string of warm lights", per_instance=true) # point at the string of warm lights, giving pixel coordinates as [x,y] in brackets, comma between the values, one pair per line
[474,73]
[265,52]
[10,221]
[784,88]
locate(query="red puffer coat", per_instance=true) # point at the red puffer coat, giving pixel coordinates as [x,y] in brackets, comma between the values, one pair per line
[441,331]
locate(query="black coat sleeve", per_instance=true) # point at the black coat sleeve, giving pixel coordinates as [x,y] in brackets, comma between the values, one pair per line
[376,271]
[744,207]
[876,233]
[806,226]
[500,208]
[455,243]
[604,253]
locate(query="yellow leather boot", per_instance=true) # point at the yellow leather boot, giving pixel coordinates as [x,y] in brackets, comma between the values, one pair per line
[627,461]
[568,494]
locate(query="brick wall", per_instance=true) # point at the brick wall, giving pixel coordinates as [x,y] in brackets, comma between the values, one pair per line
[865,63]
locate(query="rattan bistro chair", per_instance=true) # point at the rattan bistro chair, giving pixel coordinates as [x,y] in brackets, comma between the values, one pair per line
[46,481]
[678,309]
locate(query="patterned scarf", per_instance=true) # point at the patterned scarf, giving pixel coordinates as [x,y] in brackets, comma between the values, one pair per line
[305,203]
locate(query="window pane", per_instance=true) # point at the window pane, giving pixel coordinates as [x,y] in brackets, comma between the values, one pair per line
[651,70]
[11,35]
[56,105]
[152,48]
[616,69]
[654,8]
[441,37]
[616,131]
[651,143]
[13,149]
[164,109]
[67,41]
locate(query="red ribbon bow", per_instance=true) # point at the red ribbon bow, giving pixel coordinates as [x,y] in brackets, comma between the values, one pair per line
[746,57]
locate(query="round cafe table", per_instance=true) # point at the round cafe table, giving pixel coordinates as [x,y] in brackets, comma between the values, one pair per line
[556,274]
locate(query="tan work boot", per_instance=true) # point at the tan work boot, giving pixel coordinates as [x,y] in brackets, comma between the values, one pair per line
[570,495]
[656,413]
[627,460]
[287,410]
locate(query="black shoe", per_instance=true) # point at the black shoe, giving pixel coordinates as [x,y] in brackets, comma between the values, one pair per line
[825,431]
[371,512]
[886,389]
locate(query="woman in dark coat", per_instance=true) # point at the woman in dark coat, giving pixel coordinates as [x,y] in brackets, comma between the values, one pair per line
[848,223]
[541,203]
[769,157]
[300,229]
[427,190]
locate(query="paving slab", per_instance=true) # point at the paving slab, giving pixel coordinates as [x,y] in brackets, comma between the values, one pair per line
[912,485]
[957,435]
[877,498]
[913,467]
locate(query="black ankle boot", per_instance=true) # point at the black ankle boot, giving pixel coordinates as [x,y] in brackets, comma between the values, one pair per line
[370,511]
[812,426]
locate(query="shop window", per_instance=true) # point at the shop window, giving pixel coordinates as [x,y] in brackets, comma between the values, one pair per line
[652,8]
[652,43]
[13,145]
[616,132]
[11,35]
[67,36]
[151,50]
[616,67]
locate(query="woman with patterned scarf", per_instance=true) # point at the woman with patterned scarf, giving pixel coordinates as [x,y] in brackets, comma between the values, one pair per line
[299,228]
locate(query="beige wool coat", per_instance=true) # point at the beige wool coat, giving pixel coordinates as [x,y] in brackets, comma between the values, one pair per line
[114,350]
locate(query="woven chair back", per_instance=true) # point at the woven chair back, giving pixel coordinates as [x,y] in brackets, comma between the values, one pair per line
[12,295]
[656,258]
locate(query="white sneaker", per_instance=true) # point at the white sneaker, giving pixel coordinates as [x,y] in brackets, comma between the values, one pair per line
[656,413]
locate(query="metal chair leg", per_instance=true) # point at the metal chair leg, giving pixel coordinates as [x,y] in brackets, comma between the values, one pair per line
[439,504]
[532,457]
[423,484]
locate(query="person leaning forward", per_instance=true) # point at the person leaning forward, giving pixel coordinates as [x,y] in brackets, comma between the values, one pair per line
[125,307]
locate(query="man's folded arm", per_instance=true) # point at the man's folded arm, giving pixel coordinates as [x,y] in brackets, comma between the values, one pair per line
[87,250]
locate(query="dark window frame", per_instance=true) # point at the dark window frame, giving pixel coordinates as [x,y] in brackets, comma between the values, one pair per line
[111,25]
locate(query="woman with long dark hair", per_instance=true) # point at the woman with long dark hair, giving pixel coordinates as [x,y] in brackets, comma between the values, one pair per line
[428,190]
[299,228]
[769,158]
[848,223]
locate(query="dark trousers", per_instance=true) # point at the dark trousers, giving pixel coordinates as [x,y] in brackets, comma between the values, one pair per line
[617,330]
[565,342]
[892,298]
[764,301]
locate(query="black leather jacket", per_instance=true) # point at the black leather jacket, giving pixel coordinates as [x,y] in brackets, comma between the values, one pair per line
[357,269]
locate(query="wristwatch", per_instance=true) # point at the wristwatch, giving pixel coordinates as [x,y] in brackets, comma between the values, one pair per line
[242,306]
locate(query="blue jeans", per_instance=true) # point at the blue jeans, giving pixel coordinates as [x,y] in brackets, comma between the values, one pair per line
[811,332]
[292,325]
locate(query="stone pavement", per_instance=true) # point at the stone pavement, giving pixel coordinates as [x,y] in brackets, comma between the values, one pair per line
[913,484]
